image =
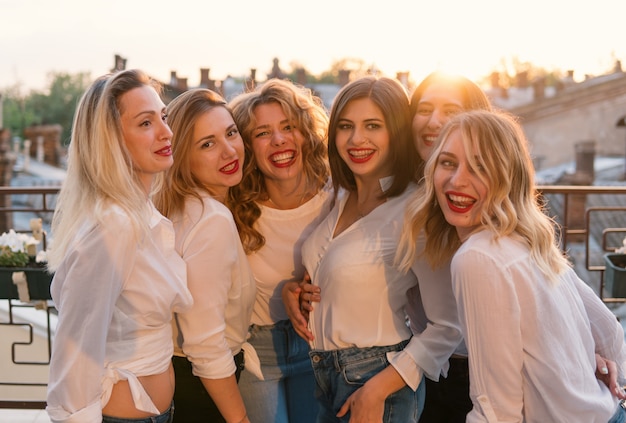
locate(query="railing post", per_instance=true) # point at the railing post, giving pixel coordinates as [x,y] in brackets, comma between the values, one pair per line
[7,160]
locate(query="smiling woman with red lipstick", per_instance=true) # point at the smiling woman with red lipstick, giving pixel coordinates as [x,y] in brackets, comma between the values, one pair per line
[208,160]
[525,315]
[358,326]
[438,98]
[117,276]
[284,194]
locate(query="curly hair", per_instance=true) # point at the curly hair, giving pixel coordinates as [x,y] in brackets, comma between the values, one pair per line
[307,113]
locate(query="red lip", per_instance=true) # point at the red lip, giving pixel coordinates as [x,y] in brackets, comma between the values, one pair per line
[360,158]
[283,164]
[457,209]
[429,139]
[235,167]
[165,151]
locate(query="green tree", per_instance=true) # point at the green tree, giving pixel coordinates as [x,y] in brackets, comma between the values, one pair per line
[58,104]
[55,105]
[16,116]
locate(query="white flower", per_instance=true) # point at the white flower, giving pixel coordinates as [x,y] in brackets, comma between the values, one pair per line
[17,243]
[622,249]
[42,257]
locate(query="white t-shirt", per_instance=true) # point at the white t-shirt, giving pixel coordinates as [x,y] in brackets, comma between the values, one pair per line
[115,299]
[221,283]
[280,259]
[531,344]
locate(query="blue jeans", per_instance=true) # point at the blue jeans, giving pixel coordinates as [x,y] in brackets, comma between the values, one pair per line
[619,416]
[339,373]
[166,417]
[287,393]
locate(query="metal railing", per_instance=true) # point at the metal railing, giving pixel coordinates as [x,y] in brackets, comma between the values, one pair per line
[562,202]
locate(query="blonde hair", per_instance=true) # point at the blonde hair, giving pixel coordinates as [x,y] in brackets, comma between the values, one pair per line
[178,182]
[99,170]
[512,205]
[308,114]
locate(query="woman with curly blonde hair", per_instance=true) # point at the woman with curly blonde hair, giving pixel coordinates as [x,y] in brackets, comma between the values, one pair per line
[285,192]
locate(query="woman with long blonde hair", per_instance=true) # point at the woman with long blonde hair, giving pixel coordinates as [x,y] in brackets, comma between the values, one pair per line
[117,276]
[525,315]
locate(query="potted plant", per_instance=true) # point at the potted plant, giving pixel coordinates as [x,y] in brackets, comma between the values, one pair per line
[615,272]
[23,274]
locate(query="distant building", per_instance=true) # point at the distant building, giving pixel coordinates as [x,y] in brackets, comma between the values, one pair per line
[562,120]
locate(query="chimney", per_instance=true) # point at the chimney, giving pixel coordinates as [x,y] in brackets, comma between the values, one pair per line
[521,79]
[182,84]
[539,87]
[204,77]
[120,63]
[494,79]
[173,79]
[301,76]
[344,77]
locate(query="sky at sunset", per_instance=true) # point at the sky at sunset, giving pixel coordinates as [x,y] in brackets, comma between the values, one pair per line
[231,36]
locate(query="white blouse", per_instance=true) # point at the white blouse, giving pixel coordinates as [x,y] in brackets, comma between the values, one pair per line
[531,344]
[115,299]
[280,259]
[363,294]
[221,283]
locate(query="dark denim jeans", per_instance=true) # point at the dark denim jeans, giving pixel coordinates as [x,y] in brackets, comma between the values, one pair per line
[166,417]
[339,373]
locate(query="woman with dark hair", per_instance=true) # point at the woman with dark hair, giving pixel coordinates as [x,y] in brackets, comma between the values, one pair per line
[358,327]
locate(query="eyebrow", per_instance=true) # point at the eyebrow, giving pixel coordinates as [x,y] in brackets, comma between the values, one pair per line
[147,112]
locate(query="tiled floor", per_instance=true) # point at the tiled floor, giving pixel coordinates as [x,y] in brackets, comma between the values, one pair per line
[23,416]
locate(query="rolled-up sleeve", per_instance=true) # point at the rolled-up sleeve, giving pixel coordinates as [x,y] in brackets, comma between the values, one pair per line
[429,350]
[210,251]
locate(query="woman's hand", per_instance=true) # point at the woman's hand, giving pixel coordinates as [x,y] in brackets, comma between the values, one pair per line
[297,308]
[606,371]
[367,404]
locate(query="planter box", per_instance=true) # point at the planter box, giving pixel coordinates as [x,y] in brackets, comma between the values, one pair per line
[38,280]
[615,274]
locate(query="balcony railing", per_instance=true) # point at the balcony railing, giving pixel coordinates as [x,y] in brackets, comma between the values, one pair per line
[580,213]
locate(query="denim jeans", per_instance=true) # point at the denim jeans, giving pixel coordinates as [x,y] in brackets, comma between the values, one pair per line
[166,417]
[619,416]
[287,393]
[341,372]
